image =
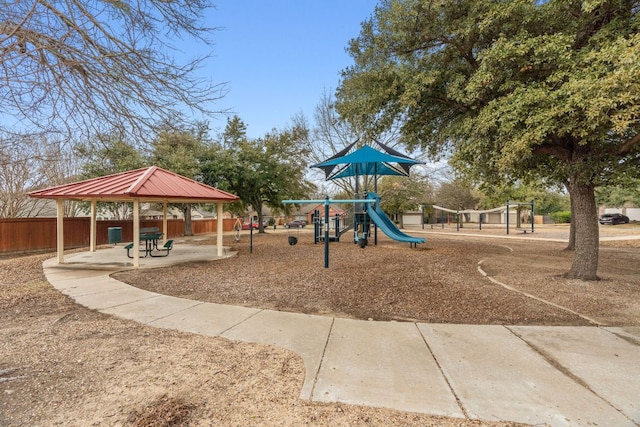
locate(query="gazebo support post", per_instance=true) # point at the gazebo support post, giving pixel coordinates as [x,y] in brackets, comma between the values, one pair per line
[92,231]
[219,224]
[60,229]
[164,222]
[136,233]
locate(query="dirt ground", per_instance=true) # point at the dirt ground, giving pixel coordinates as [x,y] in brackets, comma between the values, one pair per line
[62,364]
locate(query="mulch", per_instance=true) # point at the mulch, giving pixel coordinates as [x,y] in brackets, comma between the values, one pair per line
[437,282]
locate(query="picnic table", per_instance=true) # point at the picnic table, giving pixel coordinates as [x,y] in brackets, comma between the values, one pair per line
[150,242]
[150,237]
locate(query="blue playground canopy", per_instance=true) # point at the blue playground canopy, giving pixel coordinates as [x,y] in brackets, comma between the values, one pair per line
[366,161]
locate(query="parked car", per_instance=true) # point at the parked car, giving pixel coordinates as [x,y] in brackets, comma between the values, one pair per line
[246,225]
[296,223]
[614,218]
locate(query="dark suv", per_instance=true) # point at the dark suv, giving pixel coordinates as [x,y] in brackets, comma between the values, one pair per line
[296,223]
[614,218]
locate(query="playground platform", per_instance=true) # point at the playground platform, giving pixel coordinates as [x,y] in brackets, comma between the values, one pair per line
[557,376]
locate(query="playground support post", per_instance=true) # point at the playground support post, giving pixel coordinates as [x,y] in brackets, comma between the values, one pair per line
[365,226]
[375,232]
[250,235]
[326,232]
[316,226]
[507,216]
[533,216]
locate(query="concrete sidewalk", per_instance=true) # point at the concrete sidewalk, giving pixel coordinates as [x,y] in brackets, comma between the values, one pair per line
[560,376]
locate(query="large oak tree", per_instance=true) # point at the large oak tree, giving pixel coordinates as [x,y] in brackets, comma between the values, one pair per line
[513,89]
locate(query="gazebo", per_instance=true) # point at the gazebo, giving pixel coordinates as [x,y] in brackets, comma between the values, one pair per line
[151,184]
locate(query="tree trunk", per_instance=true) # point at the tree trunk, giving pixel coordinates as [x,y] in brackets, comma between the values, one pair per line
[256,205]
[260,222]
[188,231]
[585,216]
[572,224]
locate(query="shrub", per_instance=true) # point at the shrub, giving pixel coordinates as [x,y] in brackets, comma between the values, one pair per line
[561,217]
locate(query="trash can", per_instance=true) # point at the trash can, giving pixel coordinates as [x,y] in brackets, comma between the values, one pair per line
[115,235]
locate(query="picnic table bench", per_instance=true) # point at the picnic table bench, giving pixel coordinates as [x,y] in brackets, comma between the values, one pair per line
[149,230]
[166,248]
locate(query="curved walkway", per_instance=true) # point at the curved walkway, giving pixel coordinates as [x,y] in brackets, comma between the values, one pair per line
[560,376]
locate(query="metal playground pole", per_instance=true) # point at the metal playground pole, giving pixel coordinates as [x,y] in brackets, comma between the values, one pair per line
[326,203]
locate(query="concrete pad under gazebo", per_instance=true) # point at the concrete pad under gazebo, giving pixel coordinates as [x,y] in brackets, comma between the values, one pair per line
[152,184]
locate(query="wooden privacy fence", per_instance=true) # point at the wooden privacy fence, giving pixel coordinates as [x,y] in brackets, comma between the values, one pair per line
[29,234]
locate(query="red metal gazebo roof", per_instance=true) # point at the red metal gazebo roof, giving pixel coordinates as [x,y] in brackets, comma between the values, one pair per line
[152,184]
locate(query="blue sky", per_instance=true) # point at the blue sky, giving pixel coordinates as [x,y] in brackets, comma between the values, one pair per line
[279,56]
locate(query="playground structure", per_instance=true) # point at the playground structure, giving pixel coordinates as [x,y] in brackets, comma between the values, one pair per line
[367,212]
[364,216]
[481,215]
[339,228]
[326,202]
[368,161]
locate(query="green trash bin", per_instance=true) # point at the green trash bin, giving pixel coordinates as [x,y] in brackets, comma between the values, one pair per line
[115,235]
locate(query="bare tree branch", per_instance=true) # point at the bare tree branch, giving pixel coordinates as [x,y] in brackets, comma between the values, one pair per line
[84,67]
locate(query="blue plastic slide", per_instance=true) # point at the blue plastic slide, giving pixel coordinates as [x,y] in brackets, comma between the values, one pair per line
[387,226]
